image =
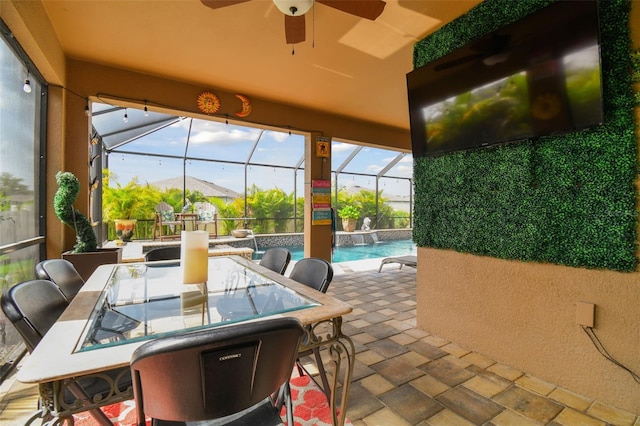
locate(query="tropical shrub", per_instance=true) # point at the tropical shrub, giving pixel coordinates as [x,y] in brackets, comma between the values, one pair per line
[68,188]
[132,201]
[349,212]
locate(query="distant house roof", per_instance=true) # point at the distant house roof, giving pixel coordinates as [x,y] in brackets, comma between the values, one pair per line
[208,189]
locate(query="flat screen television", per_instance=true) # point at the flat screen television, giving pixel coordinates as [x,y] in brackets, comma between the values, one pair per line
[538,76]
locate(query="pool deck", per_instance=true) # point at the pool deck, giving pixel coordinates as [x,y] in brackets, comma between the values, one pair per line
[405,376]
[134,252]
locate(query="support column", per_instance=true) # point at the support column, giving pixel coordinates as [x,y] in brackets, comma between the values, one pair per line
[317,166]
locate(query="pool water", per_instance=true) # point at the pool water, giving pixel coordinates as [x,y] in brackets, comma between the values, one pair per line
[361,252]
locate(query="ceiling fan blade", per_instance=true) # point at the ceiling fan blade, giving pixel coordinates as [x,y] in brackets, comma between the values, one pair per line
[217,4]
[369,9]
[294,29]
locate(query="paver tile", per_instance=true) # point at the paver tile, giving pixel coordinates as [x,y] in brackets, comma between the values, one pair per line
[470,405]
[611,414]
[447,372]
[570,417]
[430,385]
[411,404]
[529,404]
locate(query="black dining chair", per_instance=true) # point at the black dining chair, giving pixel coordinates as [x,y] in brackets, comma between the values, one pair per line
[276,259]
[313,272]
[33,307]
[162,253]
[316,273]
[64,275]
[229,373]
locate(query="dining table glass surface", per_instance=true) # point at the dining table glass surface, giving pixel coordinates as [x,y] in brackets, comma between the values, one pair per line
[148,300]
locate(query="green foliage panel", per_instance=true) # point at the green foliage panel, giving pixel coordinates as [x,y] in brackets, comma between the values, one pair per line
[566,199]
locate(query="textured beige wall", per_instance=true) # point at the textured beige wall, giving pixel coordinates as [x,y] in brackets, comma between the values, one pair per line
[524,314]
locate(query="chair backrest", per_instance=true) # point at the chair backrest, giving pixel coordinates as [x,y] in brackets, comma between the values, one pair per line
[204,206]
[277,259]
[163,253]
[165,211]
[313,272]
[63,274]
[206,211]
[163,206]
[209,374]
[33,307]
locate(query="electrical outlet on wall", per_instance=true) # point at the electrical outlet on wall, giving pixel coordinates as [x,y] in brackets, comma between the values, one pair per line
[586,314]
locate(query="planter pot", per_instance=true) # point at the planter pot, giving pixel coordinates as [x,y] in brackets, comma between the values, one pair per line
[240,233]
[86,263]
[124,229]
[349,225]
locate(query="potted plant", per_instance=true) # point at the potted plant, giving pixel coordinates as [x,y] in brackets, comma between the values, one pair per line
[349,216]
[85,256]
[124,205]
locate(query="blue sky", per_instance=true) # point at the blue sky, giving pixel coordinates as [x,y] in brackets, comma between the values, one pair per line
[226,142]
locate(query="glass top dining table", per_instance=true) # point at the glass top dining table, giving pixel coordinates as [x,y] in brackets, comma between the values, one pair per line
[121,306]
[149,300]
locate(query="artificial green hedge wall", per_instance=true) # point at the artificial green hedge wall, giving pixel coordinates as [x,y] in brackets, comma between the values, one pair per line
[566,199]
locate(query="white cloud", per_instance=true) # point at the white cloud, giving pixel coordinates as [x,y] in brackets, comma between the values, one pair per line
[221,136]
[341,147]
[278,136]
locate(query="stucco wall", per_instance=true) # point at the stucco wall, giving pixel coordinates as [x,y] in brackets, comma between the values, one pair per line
[524,314]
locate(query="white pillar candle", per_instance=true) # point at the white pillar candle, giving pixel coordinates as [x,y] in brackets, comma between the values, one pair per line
[194,256]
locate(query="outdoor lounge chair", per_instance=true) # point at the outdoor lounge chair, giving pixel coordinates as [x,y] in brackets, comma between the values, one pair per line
[207,215]
[408,260]
[165,217]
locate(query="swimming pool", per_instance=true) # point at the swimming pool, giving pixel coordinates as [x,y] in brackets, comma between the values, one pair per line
[360,252]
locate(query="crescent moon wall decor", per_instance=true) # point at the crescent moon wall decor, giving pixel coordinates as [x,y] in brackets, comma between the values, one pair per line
[208,103]
[246,106]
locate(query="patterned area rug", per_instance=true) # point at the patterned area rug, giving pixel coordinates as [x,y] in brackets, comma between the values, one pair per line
[310,408]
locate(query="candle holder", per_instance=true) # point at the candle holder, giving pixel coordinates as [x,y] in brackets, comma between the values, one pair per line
[194,256]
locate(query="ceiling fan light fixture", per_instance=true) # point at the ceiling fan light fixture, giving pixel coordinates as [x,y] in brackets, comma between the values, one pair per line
[293,7]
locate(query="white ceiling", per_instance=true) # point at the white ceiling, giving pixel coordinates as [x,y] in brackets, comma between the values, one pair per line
[348,66]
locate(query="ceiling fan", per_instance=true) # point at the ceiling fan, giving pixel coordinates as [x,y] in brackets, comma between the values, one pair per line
[294,10]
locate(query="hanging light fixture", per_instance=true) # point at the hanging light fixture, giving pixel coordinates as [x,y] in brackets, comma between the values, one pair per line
[293,7]
[126,117]
[27,84]
[146,111]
